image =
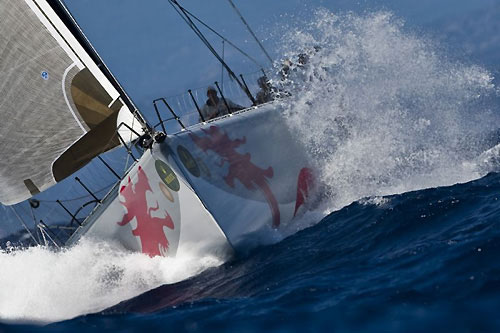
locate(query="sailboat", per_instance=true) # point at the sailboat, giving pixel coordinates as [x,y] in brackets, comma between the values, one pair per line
[213,186]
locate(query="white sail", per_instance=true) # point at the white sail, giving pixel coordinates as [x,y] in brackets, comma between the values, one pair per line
[57,108]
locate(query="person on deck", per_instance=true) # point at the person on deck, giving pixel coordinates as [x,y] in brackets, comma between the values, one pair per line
[266,91]
[216,107]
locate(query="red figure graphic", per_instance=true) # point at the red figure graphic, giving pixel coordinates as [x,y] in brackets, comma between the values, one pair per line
[240,165]
[304,187]
[149,229]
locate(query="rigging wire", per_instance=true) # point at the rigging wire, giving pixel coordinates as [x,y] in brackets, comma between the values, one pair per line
[24,225]
[200,35]
[251,31]
[222,68]
[101,190]
[224,39]
[76,30]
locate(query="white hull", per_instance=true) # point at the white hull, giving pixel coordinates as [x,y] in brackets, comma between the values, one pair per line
[213,187]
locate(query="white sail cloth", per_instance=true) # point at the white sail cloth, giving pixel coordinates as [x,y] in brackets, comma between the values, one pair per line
[49,99]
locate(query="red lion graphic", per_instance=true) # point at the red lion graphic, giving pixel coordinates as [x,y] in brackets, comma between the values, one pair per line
[240,165]
[149,229]
[305,184]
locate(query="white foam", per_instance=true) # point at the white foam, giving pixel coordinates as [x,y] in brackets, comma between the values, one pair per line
[381,110]
[39,285]
[407,110]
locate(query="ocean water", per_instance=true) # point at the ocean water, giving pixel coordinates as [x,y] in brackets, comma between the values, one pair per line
[422,260]
[405,238]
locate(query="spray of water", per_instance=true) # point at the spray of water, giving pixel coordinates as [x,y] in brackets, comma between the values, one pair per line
[381,110]
[39,285]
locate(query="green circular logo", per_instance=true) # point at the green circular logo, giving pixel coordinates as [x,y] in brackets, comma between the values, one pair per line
[167,175]
[188,161]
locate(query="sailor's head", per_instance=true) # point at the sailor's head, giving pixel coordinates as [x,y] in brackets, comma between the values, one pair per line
[211,92]
[263,82]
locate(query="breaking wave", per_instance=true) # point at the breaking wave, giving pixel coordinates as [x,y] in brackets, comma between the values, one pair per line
[39,285]
[382,110]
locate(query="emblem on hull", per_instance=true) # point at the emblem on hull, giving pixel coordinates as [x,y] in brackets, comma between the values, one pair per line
[167,175]
[241,167]
[188,161]
[149,228]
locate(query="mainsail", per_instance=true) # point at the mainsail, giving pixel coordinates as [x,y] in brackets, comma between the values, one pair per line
[58,110]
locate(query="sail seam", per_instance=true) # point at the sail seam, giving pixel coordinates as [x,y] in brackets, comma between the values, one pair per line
[21,65]
[30,60]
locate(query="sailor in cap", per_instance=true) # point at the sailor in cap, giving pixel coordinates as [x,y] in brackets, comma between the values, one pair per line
[215,107]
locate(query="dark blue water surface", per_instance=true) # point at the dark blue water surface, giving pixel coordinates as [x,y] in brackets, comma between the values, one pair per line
[424,260]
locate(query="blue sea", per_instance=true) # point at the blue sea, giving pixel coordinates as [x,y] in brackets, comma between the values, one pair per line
[400,115]
[420,261]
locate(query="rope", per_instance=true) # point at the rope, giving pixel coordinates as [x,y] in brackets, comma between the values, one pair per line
[250,30]
[200,35]
[225,39]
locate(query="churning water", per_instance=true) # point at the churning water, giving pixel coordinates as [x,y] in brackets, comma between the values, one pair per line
[40,285]
[382,112]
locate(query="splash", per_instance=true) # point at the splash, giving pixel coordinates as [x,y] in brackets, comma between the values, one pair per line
[41,286]
[381,110]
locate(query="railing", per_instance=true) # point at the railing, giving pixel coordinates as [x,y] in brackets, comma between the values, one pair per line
[52,222]
[49,217]
[176,113]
